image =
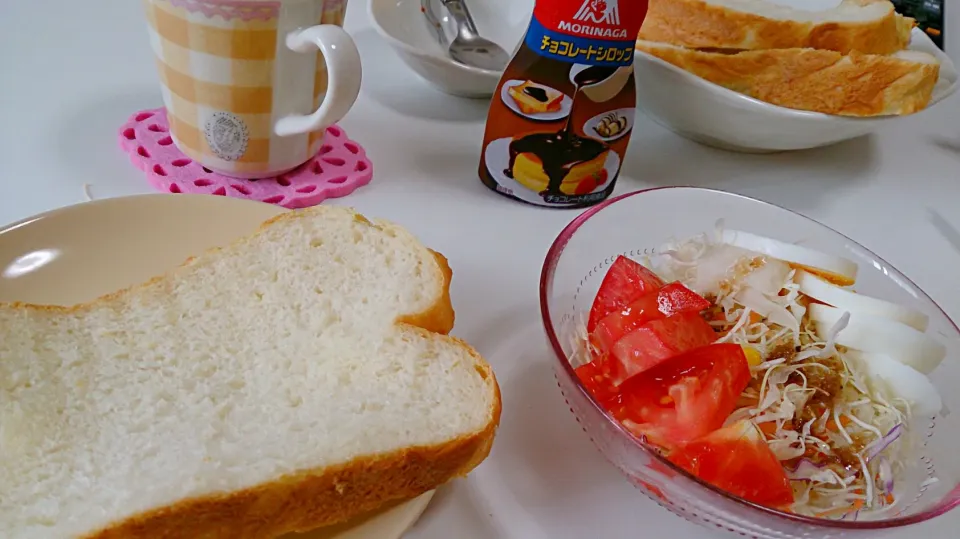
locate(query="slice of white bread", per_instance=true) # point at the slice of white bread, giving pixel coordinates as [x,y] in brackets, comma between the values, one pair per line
[294,379]
[815,80]
[867,26]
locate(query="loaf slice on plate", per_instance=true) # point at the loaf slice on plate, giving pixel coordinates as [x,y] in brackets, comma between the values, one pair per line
[815,80]
[294,379]
[867,26]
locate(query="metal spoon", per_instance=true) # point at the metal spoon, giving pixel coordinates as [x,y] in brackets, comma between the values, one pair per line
[431,10]
[468,47]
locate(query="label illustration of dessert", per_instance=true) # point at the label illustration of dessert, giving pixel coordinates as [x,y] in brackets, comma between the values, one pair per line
[533,98]
[561,118]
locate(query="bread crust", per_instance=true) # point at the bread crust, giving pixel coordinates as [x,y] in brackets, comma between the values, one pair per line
[324,496]
[316,498]
[815,80]
[440,317]
[697,24]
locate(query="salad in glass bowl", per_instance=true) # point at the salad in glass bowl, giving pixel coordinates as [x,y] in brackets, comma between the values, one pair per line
[774,380]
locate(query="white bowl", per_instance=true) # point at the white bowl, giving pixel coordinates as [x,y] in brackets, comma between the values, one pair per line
[405,28]
[710,114]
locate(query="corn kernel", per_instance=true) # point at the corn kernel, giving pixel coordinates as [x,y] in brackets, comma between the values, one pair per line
[753,356]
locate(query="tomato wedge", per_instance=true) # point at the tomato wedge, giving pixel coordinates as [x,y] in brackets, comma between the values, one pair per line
[738,460]
[624,282]
[615,325]
[685,397]
[672,299]
[675,298]
[596,377]
[657,341]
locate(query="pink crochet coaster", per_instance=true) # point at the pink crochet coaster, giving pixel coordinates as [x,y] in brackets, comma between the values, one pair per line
[338,169]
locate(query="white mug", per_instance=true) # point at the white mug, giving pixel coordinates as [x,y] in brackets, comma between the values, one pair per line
[250,86]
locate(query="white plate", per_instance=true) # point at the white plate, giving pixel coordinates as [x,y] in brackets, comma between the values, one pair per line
[82,252]
[589,128]
[713,115]
[564,111]
[497,159]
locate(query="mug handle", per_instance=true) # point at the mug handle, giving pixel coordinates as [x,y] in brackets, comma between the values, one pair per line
[343,71]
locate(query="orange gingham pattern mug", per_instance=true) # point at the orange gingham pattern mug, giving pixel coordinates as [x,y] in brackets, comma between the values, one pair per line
[250,86]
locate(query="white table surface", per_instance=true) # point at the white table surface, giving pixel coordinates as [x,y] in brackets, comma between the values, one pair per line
[72,72]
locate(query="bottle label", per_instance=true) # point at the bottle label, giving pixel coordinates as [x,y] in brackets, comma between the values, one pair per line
[595,32]
[561,118]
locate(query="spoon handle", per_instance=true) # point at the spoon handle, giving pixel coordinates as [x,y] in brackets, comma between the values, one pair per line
[461,14]
[426,7]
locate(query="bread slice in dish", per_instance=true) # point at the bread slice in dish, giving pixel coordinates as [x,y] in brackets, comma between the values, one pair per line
[533,98]
[816,80]
[867,26]
[294,379]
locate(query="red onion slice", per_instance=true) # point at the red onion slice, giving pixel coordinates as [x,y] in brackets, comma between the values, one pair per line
[851,516]
[886,474]
[878,446]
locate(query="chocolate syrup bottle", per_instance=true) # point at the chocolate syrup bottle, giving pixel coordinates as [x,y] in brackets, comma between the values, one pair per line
[561,118]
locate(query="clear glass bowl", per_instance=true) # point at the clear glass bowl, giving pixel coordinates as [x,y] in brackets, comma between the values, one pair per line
[635,224]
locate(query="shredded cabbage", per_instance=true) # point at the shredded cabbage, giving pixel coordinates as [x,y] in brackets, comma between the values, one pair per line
[813,403]
[826,424]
